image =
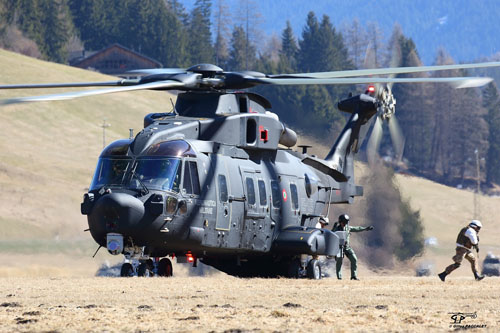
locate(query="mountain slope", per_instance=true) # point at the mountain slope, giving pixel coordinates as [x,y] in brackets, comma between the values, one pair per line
[48,151]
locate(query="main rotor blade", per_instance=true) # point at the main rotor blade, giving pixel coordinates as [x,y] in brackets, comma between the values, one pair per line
[77,94]
[397,137]
[153,71]
[71,85]
[457,82]
[384,71]
[374,142]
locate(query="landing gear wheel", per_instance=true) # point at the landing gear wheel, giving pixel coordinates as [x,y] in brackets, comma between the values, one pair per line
[165,267]
[146,268]
[127,270]
[314,269]
[294,269]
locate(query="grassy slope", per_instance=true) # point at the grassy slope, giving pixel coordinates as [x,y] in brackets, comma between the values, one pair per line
[48,153]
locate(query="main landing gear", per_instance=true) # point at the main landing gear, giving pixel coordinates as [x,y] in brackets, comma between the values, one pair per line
[304,267]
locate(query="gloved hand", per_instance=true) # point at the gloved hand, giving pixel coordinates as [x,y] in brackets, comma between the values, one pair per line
[369,228]
[477,248]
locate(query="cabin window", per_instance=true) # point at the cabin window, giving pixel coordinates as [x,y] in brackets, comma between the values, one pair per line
[223,196]
[295,196]
[191,181]
[275,193]
[262,193]
[250,191]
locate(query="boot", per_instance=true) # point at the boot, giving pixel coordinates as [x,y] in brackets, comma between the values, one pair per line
[354,278]
[478,277]
[442,276]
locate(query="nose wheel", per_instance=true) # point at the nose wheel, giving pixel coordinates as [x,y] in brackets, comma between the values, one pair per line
[146,268]
[127,270]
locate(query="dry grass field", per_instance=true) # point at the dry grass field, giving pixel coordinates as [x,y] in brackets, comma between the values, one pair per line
[227,304]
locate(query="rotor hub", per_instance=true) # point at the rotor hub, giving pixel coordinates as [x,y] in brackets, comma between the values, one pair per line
[387,104]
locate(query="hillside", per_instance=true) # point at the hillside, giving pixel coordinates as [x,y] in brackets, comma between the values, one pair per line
[443,209]
[48,153]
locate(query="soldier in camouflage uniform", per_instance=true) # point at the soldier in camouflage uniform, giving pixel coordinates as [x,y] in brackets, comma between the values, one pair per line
[342,225]
[466,240]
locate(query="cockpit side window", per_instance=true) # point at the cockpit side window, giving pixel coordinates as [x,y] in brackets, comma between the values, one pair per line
[223,195]
[109,172]
[191,181]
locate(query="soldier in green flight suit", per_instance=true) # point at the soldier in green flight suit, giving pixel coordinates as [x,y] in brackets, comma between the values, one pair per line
[343,225]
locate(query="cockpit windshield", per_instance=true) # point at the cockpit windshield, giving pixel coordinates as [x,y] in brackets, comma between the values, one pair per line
[110,171]
[157,173]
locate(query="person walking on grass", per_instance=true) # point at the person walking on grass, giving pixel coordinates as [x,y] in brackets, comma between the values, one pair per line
[466,240]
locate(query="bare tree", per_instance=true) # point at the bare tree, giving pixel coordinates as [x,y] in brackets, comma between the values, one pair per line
[272,48]
[356,41]
[222,23]
[249,16]
[375,41]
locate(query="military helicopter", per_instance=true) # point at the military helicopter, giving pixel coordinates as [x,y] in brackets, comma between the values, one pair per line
[216,180]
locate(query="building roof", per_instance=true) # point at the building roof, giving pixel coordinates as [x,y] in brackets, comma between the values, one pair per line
[116,59]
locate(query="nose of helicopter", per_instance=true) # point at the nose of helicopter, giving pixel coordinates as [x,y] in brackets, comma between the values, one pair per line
[115,213]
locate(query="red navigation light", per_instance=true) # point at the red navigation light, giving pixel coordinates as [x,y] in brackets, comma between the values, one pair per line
[371,89]
[189,257]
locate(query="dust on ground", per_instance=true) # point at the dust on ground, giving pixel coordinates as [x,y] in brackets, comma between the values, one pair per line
[226,304]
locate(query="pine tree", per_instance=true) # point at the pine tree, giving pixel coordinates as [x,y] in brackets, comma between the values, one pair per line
[176,35]
[289,49]
[491,102]
[55,29]
[250,18]
[310,49]
[411,231]
[398,232]
[222,21]
[200,47]
[239,54]
[413,112]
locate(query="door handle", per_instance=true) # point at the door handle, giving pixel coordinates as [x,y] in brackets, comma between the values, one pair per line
[232,198]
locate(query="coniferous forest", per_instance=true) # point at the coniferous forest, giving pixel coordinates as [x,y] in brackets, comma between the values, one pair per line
[443,127]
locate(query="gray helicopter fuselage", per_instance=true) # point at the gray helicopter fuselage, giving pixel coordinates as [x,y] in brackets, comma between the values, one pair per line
[216,188]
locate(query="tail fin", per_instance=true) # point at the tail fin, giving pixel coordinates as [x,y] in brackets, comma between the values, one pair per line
[341,156]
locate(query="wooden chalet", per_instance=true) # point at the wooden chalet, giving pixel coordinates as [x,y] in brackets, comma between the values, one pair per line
[116,60]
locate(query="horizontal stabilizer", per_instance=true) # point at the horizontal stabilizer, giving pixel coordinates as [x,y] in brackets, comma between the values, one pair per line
[323,166]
